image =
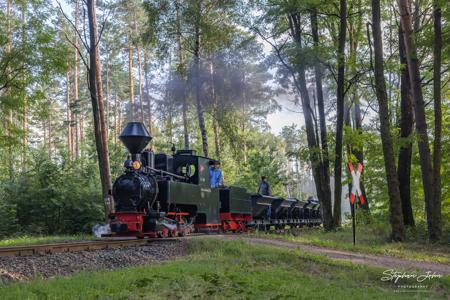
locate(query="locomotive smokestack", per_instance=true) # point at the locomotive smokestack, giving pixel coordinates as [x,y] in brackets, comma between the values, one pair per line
[135,137]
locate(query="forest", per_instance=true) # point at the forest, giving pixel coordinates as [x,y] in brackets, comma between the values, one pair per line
[369,79]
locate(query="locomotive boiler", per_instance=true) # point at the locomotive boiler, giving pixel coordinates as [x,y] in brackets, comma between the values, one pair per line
[161,195]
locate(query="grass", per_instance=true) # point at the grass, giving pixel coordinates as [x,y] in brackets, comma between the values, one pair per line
[34,240]
[368,240]
[217,269]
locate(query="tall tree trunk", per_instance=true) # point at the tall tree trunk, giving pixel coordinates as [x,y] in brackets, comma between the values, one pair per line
[182,70]
[314,156]
[198,84]
[141,99]
[147,93]
[78,122]
[138,52]
[95,87]
[44,129]
[81,120]
[396,216]
[119,119]
[116,127]
[68,114]
[216,135]
[437,61]
[82,135]
[8,111]
[406,130]
[325,163]
[340,113]
[49,146]
[106,101]
[216,111]
[25,99]
[434,231]
[244,120]
[168,103]
[130,78]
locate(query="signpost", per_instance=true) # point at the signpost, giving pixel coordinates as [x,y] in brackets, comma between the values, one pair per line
[356,191]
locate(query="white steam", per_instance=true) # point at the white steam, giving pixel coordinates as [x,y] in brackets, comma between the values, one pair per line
[98,230]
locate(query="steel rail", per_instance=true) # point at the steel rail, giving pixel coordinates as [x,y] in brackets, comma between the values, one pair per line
[75,246]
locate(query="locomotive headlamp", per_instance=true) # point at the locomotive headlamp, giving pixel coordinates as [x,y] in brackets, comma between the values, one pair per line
[136,165]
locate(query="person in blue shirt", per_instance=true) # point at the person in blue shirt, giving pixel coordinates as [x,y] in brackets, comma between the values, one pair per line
[215,175]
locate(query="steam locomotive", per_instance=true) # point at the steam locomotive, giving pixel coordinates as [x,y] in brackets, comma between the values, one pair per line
[161,195]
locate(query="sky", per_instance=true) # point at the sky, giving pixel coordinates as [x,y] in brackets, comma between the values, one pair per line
[288,115]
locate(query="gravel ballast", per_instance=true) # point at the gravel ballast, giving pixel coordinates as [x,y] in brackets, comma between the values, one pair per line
[22,268]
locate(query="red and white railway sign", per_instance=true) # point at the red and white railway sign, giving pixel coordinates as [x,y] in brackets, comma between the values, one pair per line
[356,188]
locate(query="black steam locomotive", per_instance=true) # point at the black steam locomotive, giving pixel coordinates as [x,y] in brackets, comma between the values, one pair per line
[162,195]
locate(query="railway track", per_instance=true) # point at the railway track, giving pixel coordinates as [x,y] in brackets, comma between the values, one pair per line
[105,243]
[76,246]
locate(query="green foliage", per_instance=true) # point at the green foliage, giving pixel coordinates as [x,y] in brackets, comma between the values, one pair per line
[52,198]
[265,157]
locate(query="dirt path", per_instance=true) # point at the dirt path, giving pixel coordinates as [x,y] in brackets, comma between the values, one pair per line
[387,262]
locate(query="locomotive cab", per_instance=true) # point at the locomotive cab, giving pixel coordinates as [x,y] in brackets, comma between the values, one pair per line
[192,194]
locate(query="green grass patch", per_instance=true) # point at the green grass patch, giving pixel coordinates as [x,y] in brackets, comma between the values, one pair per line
[34,240]
[217,269]
[368,240]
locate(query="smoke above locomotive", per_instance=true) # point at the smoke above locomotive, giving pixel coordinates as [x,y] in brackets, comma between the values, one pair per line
[161,195]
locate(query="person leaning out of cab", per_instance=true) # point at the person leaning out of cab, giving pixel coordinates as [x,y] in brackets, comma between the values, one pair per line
[215,175]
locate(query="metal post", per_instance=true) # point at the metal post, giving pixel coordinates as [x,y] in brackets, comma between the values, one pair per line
[354,222]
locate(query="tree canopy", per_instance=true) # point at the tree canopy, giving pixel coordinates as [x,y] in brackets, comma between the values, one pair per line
[370,80]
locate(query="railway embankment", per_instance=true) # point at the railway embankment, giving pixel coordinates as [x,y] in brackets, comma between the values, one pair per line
[49,265]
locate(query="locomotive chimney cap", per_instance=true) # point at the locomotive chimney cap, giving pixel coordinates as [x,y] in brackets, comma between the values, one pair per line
[135,137]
